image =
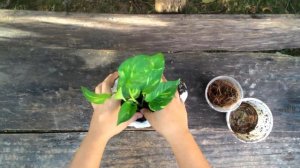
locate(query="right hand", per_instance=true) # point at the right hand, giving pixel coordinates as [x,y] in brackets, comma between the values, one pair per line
[170,121]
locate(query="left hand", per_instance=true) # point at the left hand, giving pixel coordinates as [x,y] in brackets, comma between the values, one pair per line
[104,121]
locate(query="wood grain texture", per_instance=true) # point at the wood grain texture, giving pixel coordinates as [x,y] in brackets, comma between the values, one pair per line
[40,87]
[46,57]
[150,32]
[149,150]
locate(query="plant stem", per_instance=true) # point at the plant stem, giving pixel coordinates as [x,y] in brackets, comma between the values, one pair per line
[134,101]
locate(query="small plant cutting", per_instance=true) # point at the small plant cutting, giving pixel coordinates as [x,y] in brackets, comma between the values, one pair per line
[139,86]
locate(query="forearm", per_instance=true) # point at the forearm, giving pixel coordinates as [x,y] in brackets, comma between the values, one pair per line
[89,153]
[187,152]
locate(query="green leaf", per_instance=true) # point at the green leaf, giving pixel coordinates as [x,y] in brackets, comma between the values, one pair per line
[93,97]
[162,95]
[157,62]
[119,94]
[159,103]
[128,109]
[164,89]
[140,73]
[132,73]
[134,93]
[153,81]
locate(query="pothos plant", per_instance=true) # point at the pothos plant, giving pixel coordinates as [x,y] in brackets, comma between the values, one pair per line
[139,85]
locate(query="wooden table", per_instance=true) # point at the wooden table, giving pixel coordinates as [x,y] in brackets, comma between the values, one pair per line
[46,57]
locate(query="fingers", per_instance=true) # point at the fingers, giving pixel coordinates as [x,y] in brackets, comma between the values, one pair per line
[146,113]
[98,88]
[110,79]
[109,82]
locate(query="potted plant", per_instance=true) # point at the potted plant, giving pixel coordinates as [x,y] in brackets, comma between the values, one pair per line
[223,93]
[139,86]
[252,121]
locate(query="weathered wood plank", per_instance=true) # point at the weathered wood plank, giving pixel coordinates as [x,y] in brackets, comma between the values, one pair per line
[39,88]
[150,32]
[148,149]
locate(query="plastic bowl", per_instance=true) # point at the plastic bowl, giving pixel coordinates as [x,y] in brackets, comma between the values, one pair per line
[264,124]
[234,105]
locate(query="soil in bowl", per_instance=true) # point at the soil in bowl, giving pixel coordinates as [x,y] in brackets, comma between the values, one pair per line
[222,93]
[243,119]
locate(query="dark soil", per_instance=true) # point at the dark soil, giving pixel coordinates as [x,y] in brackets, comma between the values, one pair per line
[143,104]
[244,119]
[181,87]
[222,93]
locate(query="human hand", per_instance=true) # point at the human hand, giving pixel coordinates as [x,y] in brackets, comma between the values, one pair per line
[105,116]
[170,121]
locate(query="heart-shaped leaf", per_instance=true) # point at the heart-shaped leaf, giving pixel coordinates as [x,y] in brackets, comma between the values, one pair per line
[93,97]
[132,73]
[164,89]
[162,95]
[128,109]
[142,73]
[157,62]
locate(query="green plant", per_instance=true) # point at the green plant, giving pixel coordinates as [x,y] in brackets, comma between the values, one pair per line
[139,85]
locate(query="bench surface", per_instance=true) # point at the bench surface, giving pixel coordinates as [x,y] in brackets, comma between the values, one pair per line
[46,57]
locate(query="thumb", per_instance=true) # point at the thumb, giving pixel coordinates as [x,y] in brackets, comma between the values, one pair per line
[146,113]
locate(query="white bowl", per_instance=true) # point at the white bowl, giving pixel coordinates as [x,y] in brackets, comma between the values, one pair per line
[226,108]
[264,124]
